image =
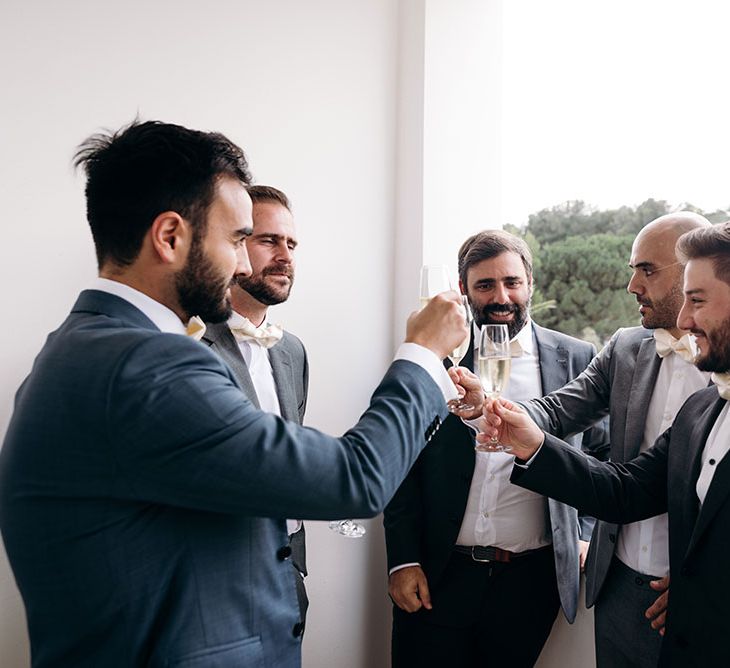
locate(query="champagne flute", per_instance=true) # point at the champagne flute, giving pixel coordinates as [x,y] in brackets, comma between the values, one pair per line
[495,361]
[434,279]
[458,353]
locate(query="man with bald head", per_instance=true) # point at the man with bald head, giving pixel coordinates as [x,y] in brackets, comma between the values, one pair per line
[640,379]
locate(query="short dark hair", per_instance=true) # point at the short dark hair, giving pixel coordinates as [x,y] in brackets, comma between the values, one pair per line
[488,244]
[145,169]
[713,243]
[268,194]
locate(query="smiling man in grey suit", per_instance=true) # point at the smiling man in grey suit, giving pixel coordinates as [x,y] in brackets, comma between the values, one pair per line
[640,379]
[269,364]
[469,554]
[686,473]
[142,496]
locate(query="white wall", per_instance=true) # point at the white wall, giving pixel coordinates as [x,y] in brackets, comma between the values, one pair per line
[308,89]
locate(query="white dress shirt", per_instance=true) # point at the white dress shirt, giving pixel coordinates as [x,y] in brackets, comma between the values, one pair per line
[717,446]
[498,513]
[644,546]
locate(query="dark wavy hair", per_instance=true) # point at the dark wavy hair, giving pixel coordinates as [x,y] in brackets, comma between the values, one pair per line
[145,169]
[712,243]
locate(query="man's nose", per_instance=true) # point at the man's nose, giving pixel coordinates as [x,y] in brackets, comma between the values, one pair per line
[501,294]
[243,264]
[635,287]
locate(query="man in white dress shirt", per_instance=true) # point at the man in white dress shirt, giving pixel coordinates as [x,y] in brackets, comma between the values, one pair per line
[470,554]
[270,364]
[640,379]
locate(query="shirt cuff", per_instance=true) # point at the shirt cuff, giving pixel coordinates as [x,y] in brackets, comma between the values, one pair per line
[524,465]
[429,362]
[402,566]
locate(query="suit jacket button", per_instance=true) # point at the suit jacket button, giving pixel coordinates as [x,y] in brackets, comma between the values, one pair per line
[283,553]
[298,629]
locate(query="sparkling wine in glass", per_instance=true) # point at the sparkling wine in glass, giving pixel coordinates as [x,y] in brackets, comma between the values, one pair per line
[458,354]
[495,361]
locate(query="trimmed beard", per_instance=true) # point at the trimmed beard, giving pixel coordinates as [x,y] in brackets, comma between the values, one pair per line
[200,289]
[521,312]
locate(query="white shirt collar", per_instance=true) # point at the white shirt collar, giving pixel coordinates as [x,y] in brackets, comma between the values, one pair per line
[524,337]
[164,319]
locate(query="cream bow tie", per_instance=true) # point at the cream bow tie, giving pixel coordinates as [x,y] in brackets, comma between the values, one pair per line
[667,344]
[515,349]
[196,328]
[265,335]
[722,380]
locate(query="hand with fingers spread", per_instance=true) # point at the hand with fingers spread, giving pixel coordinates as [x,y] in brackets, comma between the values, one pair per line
[470,391]
[506,423]
[408,588]
[657,613]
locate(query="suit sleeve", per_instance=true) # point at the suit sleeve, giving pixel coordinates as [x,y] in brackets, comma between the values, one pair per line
[579,404]
[618,493]
[183,434]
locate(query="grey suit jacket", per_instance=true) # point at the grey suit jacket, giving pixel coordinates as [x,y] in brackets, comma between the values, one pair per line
[619,382]
[141,495]
[663,479]
[422,520]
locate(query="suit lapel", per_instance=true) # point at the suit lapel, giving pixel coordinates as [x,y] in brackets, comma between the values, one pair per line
[646,370]
[219,337]
[552,360]
[720,485]
[281,366]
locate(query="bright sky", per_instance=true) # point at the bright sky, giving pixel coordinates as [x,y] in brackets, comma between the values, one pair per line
[615,102]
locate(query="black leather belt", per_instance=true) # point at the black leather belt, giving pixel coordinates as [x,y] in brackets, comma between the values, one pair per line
[489,553]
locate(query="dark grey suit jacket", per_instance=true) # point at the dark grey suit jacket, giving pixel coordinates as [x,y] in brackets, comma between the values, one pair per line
[141,495]
[663,479]
[291,377]
[423,519]
[619,382]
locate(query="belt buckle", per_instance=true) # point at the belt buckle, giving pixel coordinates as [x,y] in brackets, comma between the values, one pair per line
[475,558]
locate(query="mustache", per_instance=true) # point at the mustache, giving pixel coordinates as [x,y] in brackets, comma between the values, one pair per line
[279,271]
[493,308]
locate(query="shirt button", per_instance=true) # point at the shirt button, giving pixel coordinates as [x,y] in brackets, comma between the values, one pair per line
[491,477]
[667,416]
[486,514]
[643,548]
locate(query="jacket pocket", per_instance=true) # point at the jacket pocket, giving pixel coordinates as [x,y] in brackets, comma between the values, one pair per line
[248,653]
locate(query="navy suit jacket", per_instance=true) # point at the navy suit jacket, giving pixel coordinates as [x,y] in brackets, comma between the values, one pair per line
[663,479]
[423,519]
[143,497]
[290,370]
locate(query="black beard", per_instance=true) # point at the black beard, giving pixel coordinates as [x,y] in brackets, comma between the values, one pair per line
[261,291]
[200,289]
[483,316]
[718,357]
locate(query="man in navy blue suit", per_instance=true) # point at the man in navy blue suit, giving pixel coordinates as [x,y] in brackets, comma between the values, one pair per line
[142,497]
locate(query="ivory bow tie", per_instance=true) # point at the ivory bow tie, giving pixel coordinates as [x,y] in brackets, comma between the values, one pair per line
[667,344]
[265,335]
[722,380]
[515,349]
[196,328]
